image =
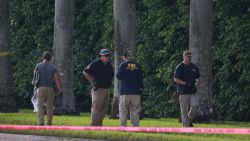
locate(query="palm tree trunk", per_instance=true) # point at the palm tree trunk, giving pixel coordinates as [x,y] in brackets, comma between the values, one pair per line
[63,54]
[7,100]
[200,44]
[124,31]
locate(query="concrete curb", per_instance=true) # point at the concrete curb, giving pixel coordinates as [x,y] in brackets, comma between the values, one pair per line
[19,137]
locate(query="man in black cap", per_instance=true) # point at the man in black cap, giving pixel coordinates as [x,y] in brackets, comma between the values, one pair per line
[187,79]
[46,74]
[100,72]
[130,75]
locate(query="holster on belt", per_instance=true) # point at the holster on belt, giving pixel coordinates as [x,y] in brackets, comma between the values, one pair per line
[175,97]
[95,88]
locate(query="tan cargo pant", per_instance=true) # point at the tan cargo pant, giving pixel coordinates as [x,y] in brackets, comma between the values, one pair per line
[100,102]
[189,105]
[45,95]
[131,103]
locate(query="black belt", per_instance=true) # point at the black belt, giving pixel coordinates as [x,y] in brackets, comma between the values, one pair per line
[99,88]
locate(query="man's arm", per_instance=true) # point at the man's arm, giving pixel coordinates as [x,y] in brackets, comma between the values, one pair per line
[197,81]
[179,81]
[87,76]
[35,77]
[178,75]
[119,72]
[58,81]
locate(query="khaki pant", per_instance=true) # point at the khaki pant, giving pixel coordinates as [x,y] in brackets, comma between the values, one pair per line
[45,95]
[100,102]
[130,103]
[189,105]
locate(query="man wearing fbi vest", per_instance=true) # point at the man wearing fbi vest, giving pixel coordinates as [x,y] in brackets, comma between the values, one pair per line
[131,86]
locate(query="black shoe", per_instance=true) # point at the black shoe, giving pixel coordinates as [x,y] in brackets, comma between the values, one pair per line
[191,124]
[41,124]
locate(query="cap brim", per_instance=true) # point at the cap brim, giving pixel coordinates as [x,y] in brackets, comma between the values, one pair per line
[104,54]
[187,55]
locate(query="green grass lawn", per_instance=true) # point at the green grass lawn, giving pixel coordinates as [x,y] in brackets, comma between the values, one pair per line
[27,117]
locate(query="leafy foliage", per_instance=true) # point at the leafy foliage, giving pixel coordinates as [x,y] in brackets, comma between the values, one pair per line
[231,55]
[32,33]
[162,35]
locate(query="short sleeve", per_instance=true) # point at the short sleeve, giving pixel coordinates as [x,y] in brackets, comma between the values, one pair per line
[178,73]
[120,71]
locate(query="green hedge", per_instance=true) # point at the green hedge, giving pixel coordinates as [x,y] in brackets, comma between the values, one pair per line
[162,35]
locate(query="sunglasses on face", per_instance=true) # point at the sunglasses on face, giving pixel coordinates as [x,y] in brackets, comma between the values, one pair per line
[106,55]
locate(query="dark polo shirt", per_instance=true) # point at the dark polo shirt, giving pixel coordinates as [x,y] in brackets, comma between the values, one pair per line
[188,73]
[102,73]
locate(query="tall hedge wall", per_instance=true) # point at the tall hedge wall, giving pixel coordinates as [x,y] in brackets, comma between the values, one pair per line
[162,35]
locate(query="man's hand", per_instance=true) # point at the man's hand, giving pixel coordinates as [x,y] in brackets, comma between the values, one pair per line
[197,83]
[189,84]
[87,76]
[60,92]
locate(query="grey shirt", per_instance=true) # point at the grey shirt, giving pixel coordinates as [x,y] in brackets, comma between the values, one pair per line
[46,72]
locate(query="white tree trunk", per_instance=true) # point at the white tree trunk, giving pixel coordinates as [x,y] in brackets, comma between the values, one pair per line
[124,32]
[7,100]
[63,54]
[200,44]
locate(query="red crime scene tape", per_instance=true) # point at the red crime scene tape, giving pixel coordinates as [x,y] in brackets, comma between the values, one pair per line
[131,129]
